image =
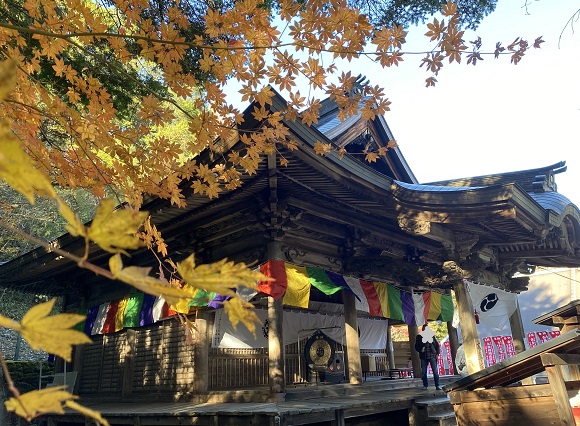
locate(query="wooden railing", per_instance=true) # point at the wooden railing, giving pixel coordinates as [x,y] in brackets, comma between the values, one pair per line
[237,368]
[245,368]
[163,363]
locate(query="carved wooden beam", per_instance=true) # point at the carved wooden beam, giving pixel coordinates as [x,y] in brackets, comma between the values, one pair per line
[413,273]
[515,285]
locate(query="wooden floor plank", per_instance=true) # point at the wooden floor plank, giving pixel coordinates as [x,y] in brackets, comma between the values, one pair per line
[329,403]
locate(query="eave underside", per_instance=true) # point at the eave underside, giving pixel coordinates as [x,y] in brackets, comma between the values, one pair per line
[328,214]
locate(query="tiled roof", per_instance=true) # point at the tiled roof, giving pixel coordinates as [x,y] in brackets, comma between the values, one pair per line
[434,188]
[551,201]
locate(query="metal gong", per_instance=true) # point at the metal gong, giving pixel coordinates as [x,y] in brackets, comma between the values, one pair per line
[320,352]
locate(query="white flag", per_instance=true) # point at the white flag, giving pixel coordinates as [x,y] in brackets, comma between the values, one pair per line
[492,305]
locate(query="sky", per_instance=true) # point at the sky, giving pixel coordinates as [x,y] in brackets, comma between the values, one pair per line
[494,117]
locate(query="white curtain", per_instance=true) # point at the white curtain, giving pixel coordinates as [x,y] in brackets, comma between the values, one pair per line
[373,332]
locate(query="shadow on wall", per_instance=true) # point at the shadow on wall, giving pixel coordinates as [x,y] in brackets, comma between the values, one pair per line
[546,293]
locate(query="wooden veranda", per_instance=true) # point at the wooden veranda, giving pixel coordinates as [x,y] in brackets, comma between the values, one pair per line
[377,401]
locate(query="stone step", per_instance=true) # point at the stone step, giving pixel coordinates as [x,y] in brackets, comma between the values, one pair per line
[434,411]
[434,406]
[442,419]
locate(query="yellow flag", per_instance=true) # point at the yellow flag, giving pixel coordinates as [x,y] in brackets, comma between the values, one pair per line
[298,290]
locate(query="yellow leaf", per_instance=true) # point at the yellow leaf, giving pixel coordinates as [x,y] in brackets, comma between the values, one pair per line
[322,148]
[8,323]
[34,403]
[75,226]
[182,306]
[49,400]
[7,78]
[116,230]
[371,157]
[239,310]
[220,277]
[139,278]
[18,169]
[53,334]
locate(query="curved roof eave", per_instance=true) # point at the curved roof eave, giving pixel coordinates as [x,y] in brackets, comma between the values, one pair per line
[558,207]
[446,203]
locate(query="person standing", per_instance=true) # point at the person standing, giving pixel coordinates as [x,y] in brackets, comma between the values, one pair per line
[428,347]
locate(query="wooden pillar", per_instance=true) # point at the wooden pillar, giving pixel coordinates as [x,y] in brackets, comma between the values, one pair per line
[518,334]
[201,345]
[129,362]
[565,325]
[415,360]
[276,356]
[553,363]
[453,343]
[352,342]
[471,344]
[390,348]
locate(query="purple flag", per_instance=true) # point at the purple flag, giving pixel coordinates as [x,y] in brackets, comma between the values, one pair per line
[408,307]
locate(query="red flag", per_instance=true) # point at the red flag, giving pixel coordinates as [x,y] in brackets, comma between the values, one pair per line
[449,358]
[543,336]
[109,325]
[532,340]
[489,351]
[440,363]
[370,292]
[274,269]
[509,345]
[501,352]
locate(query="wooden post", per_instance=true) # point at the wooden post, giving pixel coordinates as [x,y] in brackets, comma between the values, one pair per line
[201,345]
[415,360]
[471,344]
[276,357]
[553,363]
[352,342]
[78,365]
[517,327]
[129,362]
[453,343]
[390,348]
[518,336]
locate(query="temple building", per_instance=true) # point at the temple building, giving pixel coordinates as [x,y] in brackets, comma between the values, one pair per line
[355,247]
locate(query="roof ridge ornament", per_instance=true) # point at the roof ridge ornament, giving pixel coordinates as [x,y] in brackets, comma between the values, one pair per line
[358,85]
[545,183]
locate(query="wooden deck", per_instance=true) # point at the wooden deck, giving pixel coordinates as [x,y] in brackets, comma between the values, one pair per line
[336,404]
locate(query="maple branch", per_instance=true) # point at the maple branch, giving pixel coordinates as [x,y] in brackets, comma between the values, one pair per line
[570,22]
[107,180]
[10,383]
[114,67]
[108,64]
[45,114]
[51,248]
[294,66]
[67,37]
